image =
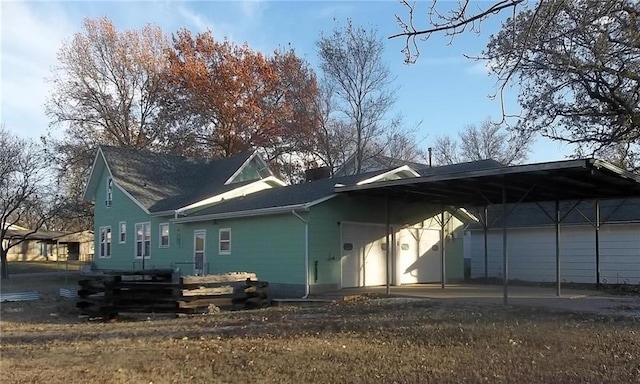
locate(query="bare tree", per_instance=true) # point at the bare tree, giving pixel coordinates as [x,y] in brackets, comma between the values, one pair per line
[24,193]
[106,89]
[445,151]
[576,63]
[488,141]
[351,59]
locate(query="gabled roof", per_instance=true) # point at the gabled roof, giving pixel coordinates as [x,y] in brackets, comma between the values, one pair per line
[375,163]
[160,182]
[459,167]
[301,196]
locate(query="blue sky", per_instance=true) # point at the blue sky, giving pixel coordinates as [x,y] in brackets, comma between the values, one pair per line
[443,91]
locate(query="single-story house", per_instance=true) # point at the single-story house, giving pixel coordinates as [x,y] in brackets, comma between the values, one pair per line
[199,217]
[49,245]
[532,247]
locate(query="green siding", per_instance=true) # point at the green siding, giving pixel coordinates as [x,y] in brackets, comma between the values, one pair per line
[272,246]
[124,209]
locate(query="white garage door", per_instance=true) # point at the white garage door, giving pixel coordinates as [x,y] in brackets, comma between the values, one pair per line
[363,255]
[418,256]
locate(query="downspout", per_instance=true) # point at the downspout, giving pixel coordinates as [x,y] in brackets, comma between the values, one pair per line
[306,253]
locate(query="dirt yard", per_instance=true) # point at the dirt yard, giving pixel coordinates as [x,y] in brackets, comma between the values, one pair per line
[396,340]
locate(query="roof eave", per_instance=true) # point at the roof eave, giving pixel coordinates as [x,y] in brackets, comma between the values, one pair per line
[239,214]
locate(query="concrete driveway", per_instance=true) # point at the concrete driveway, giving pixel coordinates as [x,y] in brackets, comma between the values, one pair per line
[571,299]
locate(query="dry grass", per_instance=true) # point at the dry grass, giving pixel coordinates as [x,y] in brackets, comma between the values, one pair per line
[364,341]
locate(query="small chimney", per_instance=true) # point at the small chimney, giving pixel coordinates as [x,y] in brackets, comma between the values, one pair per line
[316,174]
[430,152]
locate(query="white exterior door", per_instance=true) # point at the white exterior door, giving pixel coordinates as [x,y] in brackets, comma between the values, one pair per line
[199,253]
[418,256]
[363,255]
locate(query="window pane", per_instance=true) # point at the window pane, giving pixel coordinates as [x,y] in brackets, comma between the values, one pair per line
[147,230]
[164,241]
[164,230]
[147,247]
[199,243]
[138,232]
[225,246]
[225,235]
[108,249]
[139,249]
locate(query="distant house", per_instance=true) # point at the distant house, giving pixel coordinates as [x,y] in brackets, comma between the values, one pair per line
[374,163]
[531,243]
[49,245]
[232,214]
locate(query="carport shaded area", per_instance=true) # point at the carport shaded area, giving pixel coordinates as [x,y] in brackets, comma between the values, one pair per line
[570,180]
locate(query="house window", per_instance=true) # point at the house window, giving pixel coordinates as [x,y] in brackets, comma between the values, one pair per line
[164,235]
[224,243]
[143,240]
[109,199]
[123,232]
[105,242]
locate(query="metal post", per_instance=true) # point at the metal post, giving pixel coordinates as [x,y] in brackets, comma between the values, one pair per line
[505,269]
[442,249]
[486,247]
[557,247]
[387,243]
[597,226]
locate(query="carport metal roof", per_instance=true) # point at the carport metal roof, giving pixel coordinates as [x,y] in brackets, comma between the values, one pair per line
[561,180]
[582,179]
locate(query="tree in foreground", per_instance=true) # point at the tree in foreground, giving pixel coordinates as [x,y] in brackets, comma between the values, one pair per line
[577,64]
[25,196]
[487,141]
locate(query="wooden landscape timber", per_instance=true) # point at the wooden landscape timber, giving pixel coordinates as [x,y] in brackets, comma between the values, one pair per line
[111,293]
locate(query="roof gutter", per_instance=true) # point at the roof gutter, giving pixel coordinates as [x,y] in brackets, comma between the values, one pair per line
[237,214]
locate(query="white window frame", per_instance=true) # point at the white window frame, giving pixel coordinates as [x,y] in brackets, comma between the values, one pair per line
[160,235]
[122,235]
[104,253]
[203,233]
[146,229]
[109,198]
[220,241]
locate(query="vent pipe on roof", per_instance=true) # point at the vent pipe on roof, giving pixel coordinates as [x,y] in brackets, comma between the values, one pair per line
[430,152]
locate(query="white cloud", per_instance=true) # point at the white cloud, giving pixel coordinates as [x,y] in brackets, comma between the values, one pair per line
[480,67]
[32,33]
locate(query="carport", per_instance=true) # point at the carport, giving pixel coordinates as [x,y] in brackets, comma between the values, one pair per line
[570,180]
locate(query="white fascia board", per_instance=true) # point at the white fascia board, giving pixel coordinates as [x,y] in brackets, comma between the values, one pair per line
[256,186]
[320,200]
[404,168]
[237,214]
[464,212]
[90,182]
[241,167]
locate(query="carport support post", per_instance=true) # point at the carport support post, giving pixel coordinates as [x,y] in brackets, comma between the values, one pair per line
[597,244]
[505,269]
[557,247]
[386,200]
[442,250]
[486,247]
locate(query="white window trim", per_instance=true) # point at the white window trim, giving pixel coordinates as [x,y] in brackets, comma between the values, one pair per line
[135,241]
[100,255]
[120,233]
[109,198]
[160,235]
[220,251]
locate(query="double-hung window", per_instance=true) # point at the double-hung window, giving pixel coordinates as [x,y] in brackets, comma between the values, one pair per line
[164,235]
[122,236]
[224,241]
[143,240]
[105,242]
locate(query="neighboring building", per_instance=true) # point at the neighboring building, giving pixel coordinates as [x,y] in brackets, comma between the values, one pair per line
[374,163]
[232,214]
[49,246]
[532,248]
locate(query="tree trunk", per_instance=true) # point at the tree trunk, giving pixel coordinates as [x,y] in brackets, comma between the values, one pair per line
[4,266]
